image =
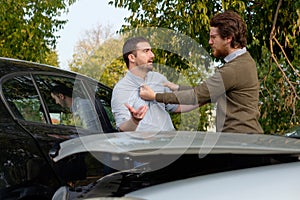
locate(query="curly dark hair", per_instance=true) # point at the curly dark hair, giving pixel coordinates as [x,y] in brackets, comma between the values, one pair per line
[229,23]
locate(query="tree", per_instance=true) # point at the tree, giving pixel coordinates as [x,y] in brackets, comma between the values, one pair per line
[51,59]
[28,28]
[273,41]
[99,55]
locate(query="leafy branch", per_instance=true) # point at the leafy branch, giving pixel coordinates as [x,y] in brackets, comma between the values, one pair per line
[294,97]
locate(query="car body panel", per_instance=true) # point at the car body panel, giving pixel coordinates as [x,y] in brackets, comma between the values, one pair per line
[180,142]
[274,182]
[193,165]
[22,163]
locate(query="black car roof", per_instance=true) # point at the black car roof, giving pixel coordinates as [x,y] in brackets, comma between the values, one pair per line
[9,66]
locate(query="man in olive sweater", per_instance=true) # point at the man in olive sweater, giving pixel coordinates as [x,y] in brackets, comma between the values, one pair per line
[234,86]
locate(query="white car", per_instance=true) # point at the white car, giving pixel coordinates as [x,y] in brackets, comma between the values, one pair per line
[188,165]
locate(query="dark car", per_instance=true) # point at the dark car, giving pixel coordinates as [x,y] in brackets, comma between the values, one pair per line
[32,126]
[189,165]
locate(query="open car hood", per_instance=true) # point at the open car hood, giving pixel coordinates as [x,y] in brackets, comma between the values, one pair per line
[177,143]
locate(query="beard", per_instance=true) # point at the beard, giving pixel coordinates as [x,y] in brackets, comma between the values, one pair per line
[220,53]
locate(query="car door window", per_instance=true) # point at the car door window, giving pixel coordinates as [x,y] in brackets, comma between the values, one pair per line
[57,114]
[29,98]
[23,98]
[102,96]
[73,109]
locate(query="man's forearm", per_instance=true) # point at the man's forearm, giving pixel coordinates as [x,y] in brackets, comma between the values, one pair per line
[186,97]
[129,125]
[184,87]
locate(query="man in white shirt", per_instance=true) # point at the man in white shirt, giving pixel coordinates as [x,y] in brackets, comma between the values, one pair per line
[131,112]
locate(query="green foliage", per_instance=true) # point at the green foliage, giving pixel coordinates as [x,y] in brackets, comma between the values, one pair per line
[30,109]
[99,55]
[273,41]
[276,50]
[195,120]
[28,27]
[51,59]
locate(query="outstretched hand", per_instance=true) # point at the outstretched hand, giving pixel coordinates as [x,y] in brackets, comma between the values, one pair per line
[172,86]
[138,114]
[147,93]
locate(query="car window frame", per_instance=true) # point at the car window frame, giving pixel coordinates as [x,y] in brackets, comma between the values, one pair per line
[86,82]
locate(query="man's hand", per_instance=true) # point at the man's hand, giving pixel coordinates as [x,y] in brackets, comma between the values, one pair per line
[137,115]
[147,93]
[172,86]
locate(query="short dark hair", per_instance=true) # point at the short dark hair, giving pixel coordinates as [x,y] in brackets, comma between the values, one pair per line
[129,47]
[230,23]
[62,89]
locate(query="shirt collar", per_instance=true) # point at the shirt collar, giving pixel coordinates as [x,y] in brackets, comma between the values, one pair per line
[235,54]
[135,78]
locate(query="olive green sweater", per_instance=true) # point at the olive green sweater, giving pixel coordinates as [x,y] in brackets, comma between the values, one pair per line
[235,89]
